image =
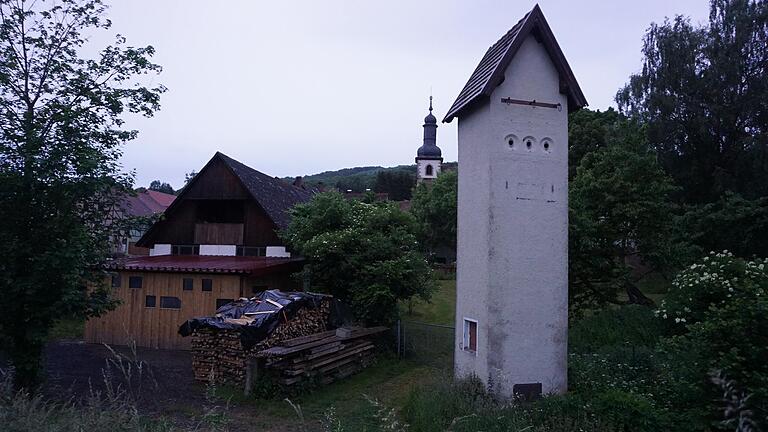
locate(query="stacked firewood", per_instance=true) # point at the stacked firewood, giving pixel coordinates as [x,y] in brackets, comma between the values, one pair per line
[320,358]
[218,355]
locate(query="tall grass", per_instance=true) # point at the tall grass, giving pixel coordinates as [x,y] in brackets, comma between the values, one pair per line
[464,406]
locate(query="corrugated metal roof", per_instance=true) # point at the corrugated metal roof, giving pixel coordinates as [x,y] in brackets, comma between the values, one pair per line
[490,71]
[208,264]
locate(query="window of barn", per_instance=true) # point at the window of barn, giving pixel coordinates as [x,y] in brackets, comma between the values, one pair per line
[150,301]
[170,303]
[134,282]
[116,280]
[187,284]
[207,284]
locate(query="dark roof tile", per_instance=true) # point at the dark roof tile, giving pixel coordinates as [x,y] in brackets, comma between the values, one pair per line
[489,71]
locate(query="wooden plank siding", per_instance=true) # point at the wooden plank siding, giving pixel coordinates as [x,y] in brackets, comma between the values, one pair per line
[157,327]
[219,233]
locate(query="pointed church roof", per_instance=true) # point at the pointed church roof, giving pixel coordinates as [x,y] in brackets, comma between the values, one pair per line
[490,72]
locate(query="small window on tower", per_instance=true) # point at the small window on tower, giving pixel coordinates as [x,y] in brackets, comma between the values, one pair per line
[430,171]
[470,335]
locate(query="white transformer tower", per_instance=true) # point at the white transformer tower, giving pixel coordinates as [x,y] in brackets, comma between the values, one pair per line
[512,263]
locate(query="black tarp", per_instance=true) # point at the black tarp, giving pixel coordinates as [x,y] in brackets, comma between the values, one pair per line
[256,318]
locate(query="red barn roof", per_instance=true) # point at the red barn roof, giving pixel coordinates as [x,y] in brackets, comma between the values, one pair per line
[256,266]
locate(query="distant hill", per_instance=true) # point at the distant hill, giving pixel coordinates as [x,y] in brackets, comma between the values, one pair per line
[357,179]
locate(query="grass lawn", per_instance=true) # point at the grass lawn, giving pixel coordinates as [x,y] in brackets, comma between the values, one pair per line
[441,309]
[389,381]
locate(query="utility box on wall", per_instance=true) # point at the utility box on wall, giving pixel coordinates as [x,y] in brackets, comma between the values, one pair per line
[512,263]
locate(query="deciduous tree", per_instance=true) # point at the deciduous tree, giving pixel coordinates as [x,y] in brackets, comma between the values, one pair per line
[61,130]
[366,254]
[702,95]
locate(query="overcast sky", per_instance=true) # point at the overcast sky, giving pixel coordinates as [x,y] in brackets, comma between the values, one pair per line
[300,87]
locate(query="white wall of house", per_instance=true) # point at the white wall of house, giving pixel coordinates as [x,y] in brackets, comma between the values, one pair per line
[277,252]
[218,250]
[160,249]
[512,263]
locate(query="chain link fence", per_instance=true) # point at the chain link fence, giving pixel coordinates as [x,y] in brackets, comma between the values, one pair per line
[430,344]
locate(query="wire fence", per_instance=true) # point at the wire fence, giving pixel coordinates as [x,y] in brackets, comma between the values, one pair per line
[431,344]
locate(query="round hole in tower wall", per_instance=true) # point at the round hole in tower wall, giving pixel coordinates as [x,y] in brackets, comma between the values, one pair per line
[512,142]
[529,142]
[546,144]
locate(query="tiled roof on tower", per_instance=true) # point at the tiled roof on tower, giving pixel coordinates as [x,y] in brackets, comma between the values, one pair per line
[490,72]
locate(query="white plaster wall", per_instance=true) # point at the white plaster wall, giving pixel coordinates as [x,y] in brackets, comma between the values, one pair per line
[278,252]
[160,249]
[218,250]
[421,167]
[513,230]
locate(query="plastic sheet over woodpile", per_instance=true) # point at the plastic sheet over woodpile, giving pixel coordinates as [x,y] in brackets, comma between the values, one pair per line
[222,343]
[257,317]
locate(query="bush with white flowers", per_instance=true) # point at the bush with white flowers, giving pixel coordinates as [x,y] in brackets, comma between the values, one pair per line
[716,281]
[717,319]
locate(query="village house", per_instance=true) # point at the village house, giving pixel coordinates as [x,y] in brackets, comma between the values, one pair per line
[217,242]
[139,208]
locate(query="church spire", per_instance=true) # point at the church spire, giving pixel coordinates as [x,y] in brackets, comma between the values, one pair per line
[429,157]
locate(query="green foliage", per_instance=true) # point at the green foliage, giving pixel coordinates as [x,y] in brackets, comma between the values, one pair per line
[625,326]
[366,254]
[701,95]
[619,207]
[434,208]
[464,405]
[156,185]
[397,183]
[717,314]
[357,179]
[732,222]
[60,140]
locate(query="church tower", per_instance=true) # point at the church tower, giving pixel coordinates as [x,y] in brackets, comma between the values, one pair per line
[429,157]
[512,263]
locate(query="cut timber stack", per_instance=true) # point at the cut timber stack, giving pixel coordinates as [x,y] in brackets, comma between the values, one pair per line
[321,358]
[218,355]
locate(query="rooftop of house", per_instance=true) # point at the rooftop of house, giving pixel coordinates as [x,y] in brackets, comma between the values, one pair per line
[273,194]
[254,266]
[147,203]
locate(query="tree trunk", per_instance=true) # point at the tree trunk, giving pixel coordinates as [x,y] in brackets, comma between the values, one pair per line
[26,359]
[636,296]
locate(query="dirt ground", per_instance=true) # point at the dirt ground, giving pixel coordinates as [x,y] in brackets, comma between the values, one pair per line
[167,389]
[163,388]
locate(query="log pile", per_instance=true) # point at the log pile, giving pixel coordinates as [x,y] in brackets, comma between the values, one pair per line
[218,356]
[320,358]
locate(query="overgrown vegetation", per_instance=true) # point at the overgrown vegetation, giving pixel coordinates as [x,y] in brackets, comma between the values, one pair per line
[61,131]
[366,254]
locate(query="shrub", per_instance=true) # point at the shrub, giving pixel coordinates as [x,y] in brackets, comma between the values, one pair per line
[630,325]
[717,318]
[365,254]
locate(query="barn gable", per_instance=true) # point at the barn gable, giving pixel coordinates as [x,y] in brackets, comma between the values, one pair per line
[232,203]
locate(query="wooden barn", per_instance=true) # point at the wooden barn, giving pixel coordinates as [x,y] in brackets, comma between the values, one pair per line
[217,242]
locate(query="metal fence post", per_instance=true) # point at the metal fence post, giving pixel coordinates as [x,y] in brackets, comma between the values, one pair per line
[399,353]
